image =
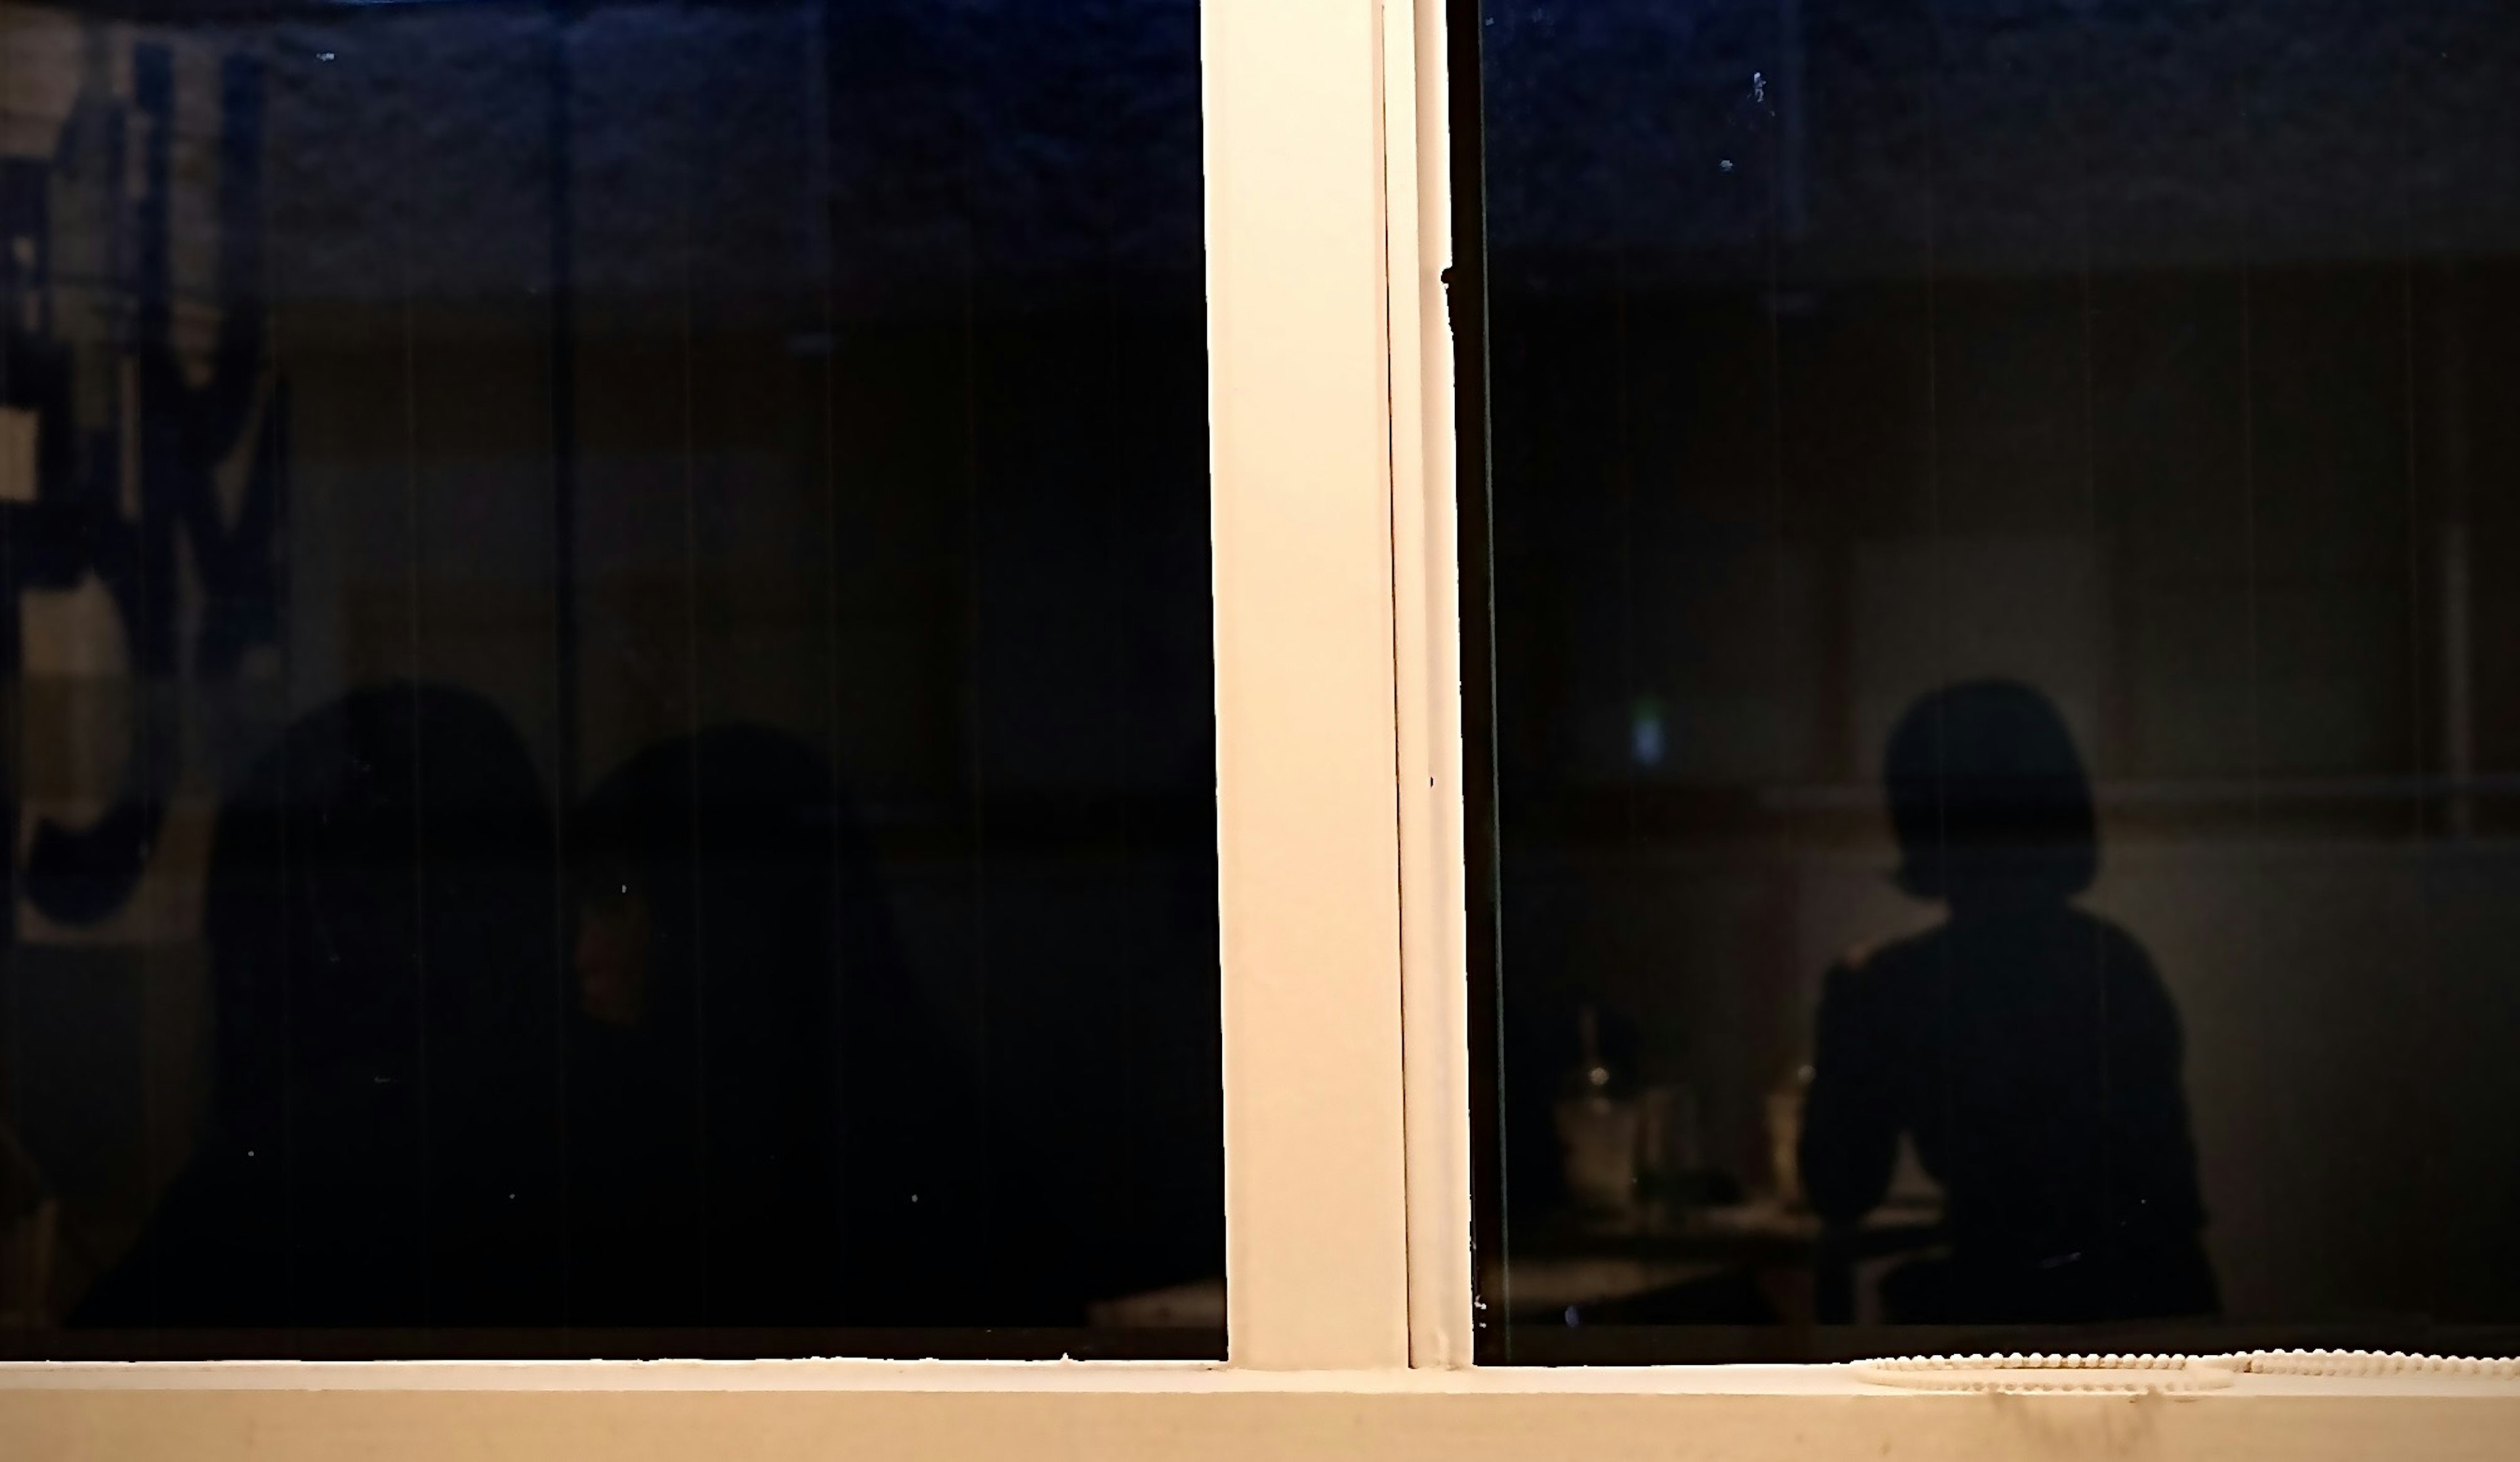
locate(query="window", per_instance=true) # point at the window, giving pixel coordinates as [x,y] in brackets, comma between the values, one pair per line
[615,747]
[1345,939]
[2000,787]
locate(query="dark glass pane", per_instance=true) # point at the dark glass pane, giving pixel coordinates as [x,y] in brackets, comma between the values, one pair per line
[1999,541]
[608,702]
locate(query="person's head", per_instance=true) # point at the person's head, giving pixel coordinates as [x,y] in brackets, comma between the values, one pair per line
[1989,798]
[378,907]
[613,954]
[707,860]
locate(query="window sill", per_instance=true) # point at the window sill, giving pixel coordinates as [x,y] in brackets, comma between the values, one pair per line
[628,1412]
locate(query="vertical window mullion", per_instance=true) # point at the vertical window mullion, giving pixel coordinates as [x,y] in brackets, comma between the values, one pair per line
[1308,835]
[1428,650]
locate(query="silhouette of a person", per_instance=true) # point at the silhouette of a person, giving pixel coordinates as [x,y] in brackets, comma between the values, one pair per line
[2028,1049]
[384,1144]
[761,1134]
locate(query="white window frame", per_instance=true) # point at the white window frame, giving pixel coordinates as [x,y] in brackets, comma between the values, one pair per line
[1345,991]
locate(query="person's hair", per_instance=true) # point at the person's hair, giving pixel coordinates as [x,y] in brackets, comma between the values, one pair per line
[1984,780]
[383,870]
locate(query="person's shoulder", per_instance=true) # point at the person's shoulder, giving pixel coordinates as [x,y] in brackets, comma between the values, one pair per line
[2130,970]
[1882,963]
[2125,954]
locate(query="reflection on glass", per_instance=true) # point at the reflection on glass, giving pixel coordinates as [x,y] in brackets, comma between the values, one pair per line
[603,631]
[379,1150]
[1995,559]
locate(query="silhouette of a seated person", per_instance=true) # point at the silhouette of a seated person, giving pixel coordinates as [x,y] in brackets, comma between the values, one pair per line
[2027,1048]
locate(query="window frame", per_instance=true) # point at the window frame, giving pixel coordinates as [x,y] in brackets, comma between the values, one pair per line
[1345,947]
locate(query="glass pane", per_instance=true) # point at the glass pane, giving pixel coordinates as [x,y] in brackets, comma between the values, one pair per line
[604,611]
[2005,821]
